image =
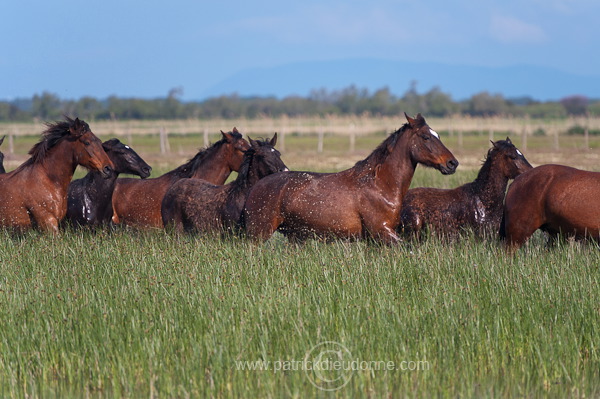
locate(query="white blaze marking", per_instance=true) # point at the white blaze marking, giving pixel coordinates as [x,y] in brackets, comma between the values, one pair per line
[519,152]
[127,146]
[434,133]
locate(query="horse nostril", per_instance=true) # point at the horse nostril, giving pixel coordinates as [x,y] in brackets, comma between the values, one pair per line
[453,163]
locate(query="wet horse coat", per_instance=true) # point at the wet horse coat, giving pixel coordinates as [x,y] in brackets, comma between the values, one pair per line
[89,199]
[35,194]
[199,206]
[477,204]
[554,198]
[360,202]
[137,202]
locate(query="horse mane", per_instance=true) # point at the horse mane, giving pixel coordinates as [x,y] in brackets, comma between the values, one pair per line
[54,133]
[486,165]
[186,170]
[246,166]
[379,154]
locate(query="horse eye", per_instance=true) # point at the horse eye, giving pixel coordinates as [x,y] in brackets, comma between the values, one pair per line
[86,142]
[426,137]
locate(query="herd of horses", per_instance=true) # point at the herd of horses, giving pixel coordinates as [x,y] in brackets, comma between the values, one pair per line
[371,200]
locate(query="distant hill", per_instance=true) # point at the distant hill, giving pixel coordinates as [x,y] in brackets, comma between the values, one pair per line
[460,81]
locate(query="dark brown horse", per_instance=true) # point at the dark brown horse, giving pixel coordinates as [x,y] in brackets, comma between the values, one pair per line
[89,199]
[137,202]
[554,198]
[35,194]
[2,170]
[477,205]
[196,205]
[360,202]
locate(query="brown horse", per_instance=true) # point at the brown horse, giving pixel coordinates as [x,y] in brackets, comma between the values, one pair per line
[554,198]
[2,170]
[137,202]
[360,202]
[196,205]
[477,204]
[35,194]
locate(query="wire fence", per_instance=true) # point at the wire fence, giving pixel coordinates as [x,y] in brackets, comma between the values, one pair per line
[347,126]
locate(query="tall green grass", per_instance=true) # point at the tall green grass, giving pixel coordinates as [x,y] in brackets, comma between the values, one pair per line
[126,313]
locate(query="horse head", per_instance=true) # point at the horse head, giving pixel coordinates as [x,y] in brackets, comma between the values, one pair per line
[235,146]
[87,148]
[266,159]
[427,148]
[513,162]
[125,159]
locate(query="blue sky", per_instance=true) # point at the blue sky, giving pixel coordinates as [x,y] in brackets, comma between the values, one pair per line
[145,48]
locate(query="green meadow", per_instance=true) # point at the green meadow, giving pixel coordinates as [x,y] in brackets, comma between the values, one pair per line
[126,313]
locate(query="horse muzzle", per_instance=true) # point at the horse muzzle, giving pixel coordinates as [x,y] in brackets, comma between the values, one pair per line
[107,172]
[449,168]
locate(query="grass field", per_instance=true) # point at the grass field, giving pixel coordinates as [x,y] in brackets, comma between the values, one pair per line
[123,313]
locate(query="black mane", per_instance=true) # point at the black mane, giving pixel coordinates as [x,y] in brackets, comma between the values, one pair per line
[187,169]
[498,146]
[55,133]
[379,154]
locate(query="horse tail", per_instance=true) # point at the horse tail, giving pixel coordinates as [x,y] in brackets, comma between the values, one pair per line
[502,230]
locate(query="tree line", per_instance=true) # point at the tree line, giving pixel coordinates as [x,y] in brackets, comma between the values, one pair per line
[348,101]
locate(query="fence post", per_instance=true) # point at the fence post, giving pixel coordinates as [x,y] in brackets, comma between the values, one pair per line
[320,143]
[281,138]
[11,143]
[205,137]
[164,141]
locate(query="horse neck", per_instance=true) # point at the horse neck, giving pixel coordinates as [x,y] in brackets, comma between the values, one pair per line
[490,183]
[95,179]
[58,165]
[395,173]
[246,178]
[214,167]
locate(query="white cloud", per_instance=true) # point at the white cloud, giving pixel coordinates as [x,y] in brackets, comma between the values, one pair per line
[508,29]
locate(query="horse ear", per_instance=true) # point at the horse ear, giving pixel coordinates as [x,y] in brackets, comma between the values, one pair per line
[227,136]
[2,139]
[235,130]
[253,143]
[75,128]
[508,140]
[272,142]
[410,120]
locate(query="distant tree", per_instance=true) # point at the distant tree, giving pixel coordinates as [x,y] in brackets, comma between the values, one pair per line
[594,108]
[575,105]
[544,110]
[46,106]
[484,104]
[438,103]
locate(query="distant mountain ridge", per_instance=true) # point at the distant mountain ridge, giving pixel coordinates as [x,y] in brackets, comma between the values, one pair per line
[460,81]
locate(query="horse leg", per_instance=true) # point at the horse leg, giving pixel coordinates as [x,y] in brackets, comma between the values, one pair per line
[47,223]
[519,226]
[382,232]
